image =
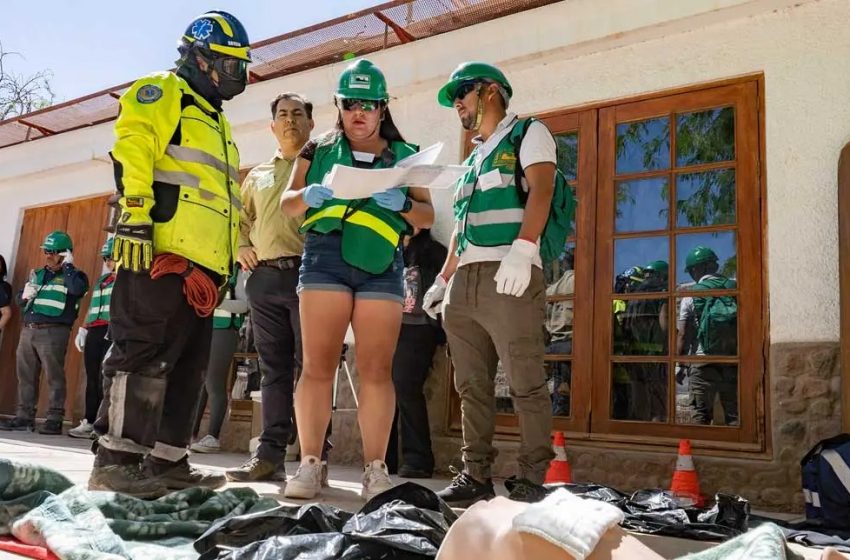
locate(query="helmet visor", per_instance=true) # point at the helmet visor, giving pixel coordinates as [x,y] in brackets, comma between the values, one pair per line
[233,68]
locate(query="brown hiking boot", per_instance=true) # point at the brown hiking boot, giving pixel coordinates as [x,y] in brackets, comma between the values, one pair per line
[256,469]
[126,479]
[180,475]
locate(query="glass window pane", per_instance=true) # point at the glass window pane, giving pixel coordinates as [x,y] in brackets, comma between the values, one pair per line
[706,198]
[639,392]
[631,259]
[640,327]
[708,325]
[554,271]
[707,394]
[643,145]
[559,378]
[705,136]
[559,327]
[642,205]
[713,252]
[567,144]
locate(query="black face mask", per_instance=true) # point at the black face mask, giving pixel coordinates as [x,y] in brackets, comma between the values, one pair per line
[232,76]
[201,83]
[228,87]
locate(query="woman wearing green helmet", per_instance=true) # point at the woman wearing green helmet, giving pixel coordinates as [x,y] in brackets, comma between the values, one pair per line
[351,273]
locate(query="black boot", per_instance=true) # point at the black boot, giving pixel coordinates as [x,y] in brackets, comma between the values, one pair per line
[17,424]
[180,474]
[121,472]
[51,427]
[465,490]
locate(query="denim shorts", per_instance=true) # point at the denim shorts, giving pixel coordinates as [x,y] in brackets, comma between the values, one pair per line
[322,268]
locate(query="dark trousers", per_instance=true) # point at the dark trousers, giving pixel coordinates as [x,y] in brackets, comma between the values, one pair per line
[93,354]
[154,369]
[277,337]
[42,348]
[214,391]
[411,365]
[709,380]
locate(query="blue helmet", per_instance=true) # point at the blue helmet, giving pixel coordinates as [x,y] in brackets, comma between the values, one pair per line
[219,33]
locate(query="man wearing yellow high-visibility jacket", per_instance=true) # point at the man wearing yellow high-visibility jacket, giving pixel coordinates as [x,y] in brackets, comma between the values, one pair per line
[176,171]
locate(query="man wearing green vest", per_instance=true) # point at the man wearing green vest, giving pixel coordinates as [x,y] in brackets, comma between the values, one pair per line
[492,281]
[91,341]
[50,302]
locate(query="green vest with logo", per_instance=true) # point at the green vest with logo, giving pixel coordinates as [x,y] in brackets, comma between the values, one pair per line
[225,320]
[51,297]
[99,306]
[370,234]
[489,215]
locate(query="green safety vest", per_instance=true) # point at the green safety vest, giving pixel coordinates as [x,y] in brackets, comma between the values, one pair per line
[51,297]
[99,306]
[489,217]
[370,234]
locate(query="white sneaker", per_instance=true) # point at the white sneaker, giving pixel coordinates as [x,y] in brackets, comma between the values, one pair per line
[376,479]
[207,444]
[83,431]
[307,481]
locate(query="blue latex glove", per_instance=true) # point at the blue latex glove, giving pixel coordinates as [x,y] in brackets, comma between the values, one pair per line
[391,199]
[316,195]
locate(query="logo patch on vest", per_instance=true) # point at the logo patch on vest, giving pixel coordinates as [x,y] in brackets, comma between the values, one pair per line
[148,94]
[360,81]
[134,202]
[506,160]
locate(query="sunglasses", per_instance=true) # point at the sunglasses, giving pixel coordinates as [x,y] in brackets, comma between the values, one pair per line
[46,252]
[365,105]
[464,89]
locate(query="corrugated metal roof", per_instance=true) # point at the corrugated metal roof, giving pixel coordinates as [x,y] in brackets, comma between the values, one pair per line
[360,33]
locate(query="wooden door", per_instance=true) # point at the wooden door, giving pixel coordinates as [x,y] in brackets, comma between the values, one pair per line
[84,221]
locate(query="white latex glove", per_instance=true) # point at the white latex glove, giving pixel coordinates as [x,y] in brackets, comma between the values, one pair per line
[514,273]
[80,341]
[69,257]
[433,298]
[30,291]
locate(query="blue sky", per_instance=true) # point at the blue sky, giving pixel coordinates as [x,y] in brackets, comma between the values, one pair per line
[90,45]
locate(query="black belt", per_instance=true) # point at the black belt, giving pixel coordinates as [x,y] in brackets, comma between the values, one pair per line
[282,263]
[44,325]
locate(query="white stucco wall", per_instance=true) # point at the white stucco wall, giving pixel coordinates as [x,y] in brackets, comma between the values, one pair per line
[568,54]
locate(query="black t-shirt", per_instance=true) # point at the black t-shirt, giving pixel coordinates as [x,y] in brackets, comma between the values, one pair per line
[5,294]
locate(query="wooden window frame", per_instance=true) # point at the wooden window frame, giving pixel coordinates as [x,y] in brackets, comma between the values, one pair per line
[594,263]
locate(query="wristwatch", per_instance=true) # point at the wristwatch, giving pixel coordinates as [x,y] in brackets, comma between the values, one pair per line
[408,206]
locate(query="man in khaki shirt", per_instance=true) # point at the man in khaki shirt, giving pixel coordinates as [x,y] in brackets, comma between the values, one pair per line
[270,246]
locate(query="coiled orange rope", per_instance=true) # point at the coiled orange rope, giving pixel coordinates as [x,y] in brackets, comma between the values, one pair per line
[200,290]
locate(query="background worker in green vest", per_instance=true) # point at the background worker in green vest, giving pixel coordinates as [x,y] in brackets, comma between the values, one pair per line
[227,320]
[91,341]
[708,326]
[50,302]
[493,281]
[351,273]
[177,175]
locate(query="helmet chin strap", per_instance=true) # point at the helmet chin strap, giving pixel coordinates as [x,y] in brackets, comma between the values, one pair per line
[479,107]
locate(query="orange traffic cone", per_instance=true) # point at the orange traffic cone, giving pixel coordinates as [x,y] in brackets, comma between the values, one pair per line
[559,467]
[685,485]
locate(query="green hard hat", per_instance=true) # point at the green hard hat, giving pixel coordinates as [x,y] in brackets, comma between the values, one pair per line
[106,250]
[472,71]
[362,80]
[661,267]
[698,255]
[57,241]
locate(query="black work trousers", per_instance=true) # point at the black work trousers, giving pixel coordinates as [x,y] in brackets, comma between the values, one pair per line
[277,337]
[153,372]
[411,365]
[93,354]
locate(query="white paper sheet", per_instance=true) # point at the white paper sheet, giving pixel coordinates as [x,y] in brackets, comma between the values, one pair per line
[349,183]
[428,156]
